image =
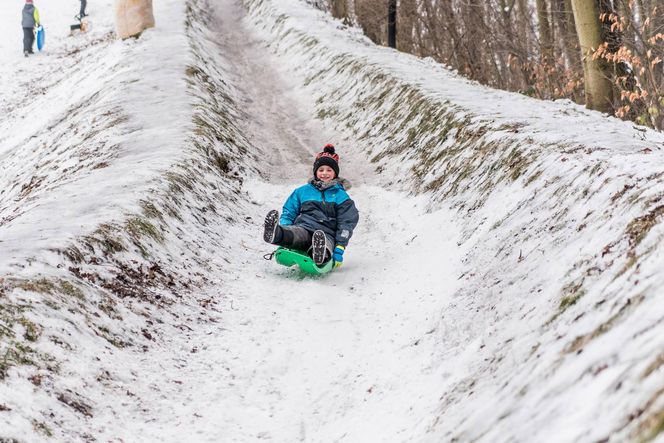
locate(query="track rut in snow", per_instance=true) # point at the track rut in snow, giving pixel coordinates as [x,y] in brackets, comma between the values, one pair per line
[347,356]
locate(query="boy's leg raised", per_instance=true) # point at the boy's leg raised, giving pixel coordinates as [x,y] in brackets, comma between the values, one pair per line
[295,237]
[271,229]
[321,247]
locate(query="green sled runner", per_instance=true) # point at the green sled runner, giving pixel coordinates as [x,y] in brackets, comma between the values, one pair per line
[289,257]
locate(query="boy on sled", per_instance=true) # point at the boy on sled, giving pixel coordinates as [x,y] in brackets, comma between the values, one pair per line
[319,217]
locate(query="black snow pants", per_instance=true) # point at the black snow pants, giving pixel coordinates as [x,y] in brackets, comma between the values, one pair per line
[83,5]
[297,237]
[28,39]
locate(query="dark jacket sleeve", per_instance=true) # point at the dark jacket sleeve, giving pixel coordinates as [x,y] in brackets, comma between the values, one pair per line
[347,218]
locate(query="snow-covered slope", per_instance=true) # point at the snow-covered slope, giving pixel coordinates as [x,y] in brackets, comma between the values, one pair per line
[122,169]
[560,211]
[502,284]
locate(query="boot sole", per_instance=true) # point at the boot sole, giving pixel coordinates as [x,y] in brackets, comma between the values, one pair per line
[270,226]
[318,247]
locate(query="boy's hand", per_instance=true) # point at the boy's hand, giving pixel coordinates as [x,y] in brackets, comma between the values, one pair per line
[338,255]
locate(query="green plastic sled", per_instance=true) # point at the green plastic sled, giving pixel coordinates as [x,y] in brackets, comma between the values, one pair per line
[289,257]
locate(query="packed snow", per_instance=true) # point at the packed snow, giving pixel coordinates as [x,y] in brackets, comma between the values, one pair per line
[502,284]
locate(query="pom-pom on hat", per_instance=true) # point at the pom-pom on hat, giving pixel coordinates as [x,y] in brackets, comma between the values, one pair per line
[329,158]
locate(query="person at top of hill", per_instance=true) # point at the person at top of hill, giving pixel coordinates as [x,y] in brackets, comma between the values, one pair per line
[319,217]
[29,20]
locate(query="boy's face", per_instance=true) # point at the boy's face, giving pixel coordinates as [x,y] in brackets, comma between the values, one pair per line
[325,173]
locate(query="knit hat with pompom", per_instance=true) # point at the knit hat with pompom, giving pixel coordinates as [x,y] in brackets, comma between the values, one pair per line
[328,158]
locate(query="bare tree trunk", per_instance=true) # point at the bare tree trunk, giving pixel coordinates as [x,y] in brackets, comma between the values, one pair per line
[133,17]
[510,44]
[496,58]
[570,44]
[643,13]
[658,27]
[474,34]
[505,12]
[524,34]
[370,18]
[339,9]
[569,35]
[598,88]
[431,44]
[392,23]
[545,36]
[408,23]
[448,20]
[658,17]
[559,19]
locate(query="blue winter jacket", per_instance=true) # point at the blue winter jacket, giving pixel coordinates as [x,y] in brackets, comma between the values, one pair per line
[329,209]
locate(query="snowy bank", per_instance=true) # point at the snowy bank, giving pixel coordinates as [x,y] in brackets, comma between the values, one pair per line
[561,213]
[119,179]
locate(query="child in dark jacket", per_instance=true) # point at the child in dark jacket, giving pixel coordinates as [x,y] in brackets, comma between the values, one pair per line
[318,217]
[29,20]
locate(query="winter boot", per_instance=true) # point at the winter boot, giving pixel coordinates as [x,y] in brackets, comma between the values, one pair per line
[270,226]
[318,247]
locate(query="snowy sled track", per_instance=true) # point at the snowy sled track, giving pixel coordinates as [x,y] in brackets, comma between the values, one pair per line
[296,358]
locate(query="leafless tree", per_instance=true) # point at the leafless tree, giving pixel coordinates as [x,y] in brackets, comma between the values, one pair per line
[339,9]
[536,47]
[392,23]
